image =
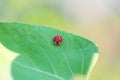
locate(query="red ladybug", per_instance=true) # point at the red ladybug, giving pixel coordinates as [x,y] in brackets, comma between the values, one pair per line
[57,40]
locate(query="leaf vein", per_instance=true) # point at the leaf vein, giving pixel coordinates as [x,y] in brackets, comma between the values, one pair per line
[39,70]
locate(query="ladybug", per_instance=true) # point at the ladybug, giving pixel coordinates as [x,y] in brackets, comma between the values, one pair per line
[57,40]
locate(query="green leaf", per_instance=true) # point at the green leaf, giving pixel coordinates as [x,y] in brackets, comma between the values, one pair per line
[40,59]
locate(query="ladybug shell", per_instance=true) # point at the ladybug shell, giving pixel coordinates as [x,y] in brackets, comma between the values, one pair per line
[57,40]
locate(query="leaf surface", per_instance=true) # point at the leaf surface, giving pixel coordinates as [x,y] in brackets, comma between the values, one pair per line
[40,59]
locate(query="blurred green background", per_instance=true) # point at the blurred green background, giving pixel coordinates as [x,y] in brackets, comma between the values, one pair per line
[97,20]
